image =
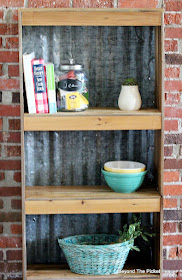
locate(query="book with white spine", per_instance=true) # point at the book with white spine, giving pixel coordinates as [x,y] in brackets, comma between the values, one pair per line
[29,86]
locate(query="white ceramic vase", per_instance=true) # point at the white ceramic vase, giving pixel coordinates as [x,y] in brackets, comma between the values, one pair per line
[129,98]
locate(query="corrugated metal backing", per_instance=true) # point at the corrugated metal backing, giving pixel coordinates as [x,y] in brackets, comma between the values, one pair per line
[43,232]
[109,55]
[76,158]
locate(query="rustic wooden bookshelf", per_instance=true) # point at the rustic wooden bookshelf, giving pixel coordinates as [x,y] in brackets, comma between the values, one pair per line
[95,199]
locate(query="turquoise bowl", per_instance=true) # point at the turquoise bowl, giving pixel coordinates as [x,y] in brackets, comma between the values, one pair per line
[124,183]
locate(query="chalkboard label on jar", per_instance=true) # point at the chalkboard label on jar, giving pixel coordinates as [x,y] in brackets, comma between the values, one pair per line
[70,85]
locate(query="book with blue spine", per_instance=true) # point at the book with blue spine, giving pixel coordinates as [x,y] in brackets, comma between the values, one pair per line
[40,85]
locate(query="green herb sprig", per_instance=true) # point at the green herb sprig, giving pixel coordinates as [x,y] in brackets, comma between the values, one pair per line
[133,231]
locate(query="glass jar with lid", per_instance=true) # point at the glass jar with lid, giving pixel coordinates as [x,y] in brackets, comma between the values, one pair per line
[72,88]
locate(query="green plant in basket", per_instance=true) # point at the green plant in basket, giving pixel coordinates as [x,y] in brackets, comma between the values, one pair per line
[133,231]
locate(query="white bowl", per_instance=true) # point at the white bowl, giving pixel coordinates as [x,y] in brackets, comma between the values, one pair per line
[124,166]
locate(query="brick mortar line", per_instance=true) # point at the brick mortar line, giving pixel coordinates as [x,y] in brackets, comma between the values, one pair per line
[169,157]
[172,233]
[173,25]
[168,246]
[11,117]
[171,169]
[169,145]
[168,38]
[166,132]
[9,144]
[7,78]
[16,158]
[14,249]
[12,235]
[176,209]
[173,196]
[172,12]
[11,261]
[172,65]
[171,79]
[5,49]
[178,183]
[13,143]
[172,105]
[9,35]
[11,63]
[11,211]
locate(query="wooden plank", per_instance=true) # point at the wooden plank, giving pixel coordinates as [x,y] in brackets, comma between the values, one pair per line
[157,101]
[102,111]
[24,254]
[94,119]
[161,108]
[159,140]
[156,226]
[51,272]
[91,17]
[86,192]
[161,238]
[161,167]
[57,201]
[91,206]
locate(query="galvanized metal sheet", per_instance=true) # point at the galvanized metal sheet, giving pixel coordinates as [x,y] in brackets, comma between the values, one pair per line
[76,158]
[43,233]
[109,55]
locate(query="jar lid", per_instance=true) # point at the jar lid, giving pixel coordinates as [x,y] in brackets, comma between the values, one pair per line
[71,67]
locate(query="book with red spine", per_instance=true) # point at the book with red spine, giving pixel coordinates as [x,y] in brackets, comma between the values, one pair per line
[40,85]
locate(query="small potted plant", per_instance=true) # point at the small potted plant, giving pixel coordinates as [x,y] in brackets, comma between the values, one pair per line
[129,98]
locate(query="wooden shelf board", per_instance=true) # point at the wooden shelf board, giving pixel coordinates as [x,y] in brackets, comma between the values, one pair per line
[94,119]
[88,199]
[51,272]
[91,17]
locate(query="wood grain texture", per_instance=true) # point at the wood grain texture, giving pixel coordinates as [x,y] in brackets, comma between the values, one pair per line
[91,17]
[94,119]
[24,257]
[161,166]
[51,272]
[84,200]
[159,140]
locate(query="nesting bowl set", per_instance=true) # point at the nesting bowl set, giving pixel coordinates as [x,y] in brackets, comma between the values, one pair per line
[124,176]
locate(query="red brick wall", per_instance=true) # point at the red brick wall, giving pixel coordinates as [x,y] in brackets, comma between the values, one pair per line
[10,192]
[173,140]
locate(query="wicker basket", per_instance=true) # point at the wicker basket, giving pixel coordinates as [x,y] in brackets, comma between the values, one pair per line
[95,254]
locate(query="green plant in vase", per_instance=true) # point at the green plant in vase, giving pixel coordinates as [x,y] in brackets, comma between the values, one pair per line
[130,82]
[129,98]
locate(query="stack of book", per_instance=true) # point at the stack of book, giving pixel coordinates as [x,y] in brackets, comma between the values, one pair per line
[39,84]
